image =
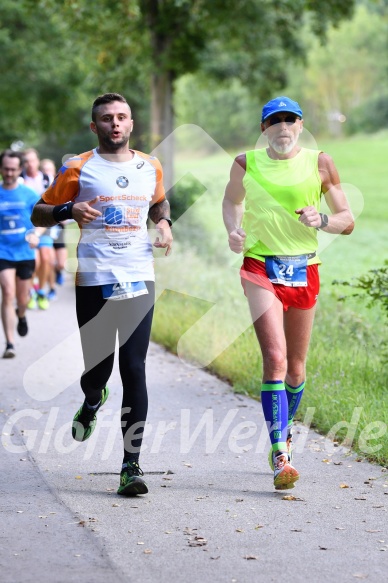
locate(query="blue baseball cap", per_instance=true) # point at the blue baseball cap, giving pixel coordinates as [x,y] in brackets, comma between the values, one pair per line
[280,104]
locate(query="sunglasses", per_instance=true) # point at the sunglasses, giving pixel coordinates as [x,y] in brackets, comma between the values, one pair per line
[289,119]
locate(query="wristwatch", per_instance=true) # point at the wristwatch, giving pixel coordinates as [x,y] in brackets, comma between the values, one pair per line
[324,221]
[166,219]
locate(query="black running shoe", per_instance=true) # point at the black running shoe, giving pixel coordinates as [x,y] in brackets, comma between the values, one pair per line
[22,326]
[131,483]
[85,419]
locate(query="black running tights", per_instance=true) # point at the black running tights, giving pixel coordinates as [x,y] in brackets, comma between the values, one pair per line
[99,321]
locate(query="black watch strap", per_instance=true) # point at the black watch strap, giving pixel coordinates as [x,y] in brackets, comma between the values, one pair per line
[324,220]
[165,219]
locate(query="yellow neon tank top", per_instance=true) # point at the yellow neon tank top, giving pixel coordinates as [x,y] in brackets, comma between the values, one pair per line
[274,190]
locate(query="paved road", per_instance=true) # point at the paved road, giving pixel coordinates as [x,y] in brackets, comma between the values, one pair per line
[211,515]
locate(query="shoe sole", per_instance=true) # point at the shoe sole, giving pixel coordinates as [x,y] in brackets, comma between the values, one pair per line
[76,435]
[286,479]
[137,486]
[9,355]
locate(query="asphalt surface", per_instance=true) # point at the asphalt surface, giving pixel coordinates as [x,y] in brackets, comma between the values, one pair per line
[211,514]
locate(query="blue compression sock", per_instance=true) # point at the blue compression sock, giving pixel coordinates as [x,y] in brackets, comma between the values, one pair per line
[294,396]
[275,409]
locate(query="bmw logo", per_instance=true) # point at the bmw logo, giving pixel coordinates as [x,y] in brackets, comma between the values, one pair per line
[122,182]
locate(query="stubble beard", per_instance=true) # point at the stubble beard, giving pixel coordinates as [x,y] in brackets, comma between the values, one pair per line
[112,145]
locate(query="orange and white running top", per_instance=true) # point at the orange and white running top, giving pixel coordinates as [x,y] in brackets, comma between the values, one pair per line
[115,247]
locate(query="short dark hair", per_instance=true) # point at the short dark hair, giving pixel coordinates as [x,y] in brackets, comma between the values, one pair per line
[11,154]
[106,98]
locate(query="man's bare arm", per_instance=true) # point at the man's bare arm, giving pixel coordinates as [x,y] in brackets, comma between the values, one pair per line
[232,206]
[81,212]
[341,220]
[42,214]
[159,210]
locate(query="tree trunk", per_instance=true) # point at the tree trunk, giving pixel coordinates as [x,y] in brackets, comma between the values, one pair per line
[162,139]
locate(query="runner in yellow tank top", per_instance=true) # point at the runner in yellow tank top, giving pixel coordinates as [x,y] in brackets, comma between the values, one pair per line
[281,187]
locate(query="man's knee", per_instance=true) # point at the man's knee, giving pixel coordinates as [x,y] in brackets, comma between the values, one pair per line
[296,370]
[275,362]
[8,294]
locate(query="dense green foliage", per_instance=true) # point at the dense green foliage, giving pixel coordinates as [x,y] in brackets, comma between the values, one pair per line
[59,54]
[346,75]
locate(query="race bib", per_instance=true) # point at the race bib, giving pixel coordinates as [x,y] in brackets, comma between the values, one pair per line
[124,290]
[12,224]
[290,271]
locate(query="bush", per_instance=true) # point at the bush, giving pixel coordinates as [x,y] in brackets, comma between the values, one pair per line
[374,286]
[369,117]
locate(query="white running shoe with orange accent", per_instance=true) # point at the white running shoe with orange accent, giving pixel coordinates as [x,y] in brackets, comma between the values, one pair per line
[285,475]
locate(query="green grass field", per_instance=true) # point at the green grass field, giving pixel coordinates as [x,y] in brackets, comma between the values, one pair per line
[202,314]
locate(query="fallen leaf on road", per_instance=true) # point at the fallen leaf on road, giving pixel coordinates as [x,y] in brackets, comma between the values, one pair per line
[259,526]
[344,486]
[115,505]
[323,548]
[340,528]
[20,511]
[140,543]
[251,558]
[360,575]
[360,498]
[296,530]
[372,530]
[239,499]
[78,478]
[239,530]
[147,551]
[291,497]
[215,558]
[197,541]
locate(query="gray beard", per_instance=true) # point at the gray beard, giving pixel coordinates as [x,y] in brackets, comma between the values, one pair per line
[282,148]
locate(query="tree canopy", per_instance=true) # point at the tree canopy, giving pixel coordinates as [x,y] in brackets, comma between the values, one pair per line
[59,54]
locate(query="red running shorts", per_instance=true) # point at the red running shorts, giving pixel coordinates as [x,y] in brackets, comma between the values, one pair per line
[303,298]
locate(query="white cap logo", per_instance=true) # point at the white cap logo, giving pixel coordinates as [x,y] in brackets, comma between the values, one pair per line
[282,104]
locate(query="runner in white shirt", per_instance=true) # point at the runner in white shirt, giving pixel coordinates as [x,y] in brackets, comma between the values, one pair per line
[110,192]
